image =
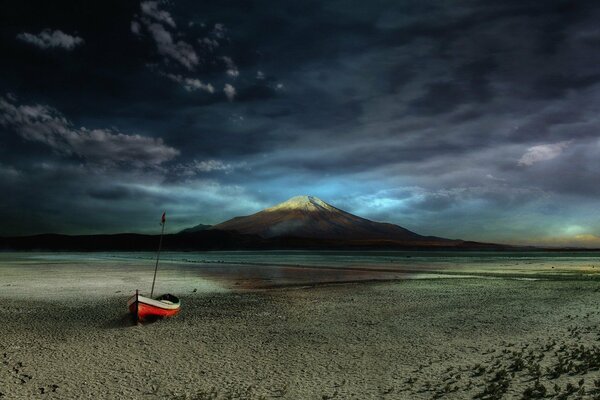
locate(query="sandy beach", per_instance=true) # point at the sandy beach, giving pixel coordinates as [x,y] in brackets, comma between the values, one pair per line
[67,336]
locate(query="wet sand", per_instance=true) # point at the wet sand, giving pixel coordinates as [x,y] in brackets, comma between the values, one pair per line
[65,335]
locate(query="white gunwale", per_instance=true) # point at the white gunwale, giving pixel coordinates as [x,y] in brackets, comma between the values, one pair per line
[152,302]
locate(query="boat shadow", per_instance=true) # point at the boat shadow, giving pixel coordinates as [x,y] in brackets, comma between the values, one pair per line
[127,320]
[123,321]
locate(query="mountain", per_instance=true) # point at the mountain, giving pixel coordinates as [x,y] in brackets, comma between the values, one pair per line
[303,222]
[197,228]
[310,217]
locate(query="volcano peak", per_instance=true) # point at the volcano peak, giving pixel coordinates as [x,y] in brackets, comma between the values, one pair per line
[302,203]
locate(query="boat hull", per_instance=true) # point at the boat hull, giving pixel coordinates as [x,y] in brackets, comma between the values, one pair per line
[144,308]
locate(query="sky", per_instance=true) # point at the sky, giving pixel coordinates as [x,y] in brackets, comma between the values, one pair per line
[463,119]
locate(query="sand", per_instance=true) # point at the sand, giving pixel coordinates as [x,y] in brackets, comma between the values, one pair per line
[65,335]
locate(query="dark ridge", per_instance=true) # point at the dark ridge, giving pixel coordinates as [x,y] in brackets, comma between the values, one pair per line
[224,240]
[197,228]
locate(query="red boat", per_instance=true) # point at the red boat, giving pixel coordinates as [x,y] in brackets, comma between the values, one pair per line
[144,308]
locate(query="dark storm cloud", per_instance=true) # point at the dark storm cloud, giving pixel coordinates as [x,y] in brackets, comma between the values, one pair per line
[39,123]
[422,113]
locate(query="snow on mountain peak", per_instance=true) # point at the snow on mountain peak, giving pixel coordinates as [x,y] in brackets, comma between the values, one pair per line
[306,203]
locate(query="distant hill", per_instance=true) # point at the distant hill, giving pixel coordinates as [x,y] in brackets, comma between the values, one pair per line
[222,240]
[310,217]
[197,228]
[202,240]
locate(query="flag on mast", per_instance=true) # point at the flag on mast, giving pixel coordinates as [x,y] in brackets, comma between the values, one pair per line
[163,218]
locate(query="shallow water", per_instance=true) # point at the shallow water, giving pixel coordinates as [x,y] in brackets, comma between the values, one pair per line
[345,258]
[208,271]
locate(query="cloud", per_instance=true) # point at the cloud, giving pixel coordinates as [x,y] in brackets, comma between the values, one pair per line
[229,92]
[161,27]
[150,8]
[495,178]
[219,31]
[414,199]
[196,166]
[154,20]
[232,69]
[189,198]
[209,43]
[47,39]
[40,123]
[180,51]
[542,152]
[584,240]
[136,27]
[285,227]
[191,84]
[9,173]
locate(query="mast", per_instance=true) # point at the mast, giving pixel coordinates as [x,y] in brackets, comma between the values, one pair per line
[137,306]
[162,231]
